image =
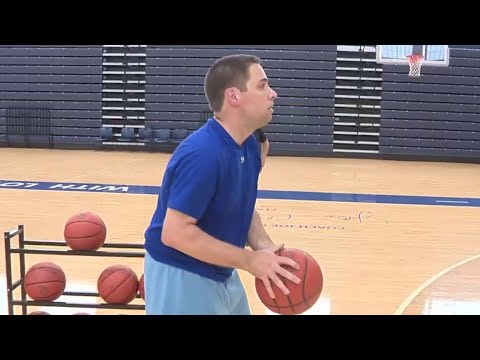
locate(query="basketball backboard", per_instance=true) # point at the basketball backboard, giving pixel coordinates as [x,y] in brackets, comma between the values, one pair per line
[434,55]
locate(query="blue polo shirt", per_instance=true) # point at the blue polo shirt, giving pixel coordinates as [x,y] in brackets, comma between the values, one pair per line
[213,179]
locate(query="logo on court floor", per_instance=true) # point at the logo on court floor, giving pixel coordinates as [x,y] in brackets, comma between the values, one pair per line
[275,218]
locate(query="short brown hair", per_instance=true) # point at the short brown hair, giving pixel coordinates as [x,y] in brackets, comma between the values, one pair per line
[228,71]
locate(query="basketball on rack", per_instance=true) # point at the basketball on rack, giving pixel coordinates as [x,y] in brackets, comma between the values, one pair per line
[45,281]
[141,287]
[117,284]
[85,231]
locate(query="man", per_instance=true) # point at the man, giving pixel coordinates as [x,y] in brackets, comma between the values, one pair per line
[205,213]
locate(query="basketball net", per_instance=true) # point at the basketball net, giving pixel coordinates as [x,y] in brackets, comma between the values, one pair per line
[415,62]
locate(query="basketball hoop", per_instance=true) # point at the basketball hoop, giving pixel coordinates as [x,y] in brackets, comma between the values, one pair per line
[415,62]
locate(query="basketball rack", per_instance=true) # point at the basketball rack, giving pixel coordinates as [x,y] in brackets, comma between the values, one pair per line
[48,248]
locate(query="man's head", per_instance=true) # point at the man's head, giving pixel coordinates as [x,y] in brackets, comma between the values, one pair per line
[238,84]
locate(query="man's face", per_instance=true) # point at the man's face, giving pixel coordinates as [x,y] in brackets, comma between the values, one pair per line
[257,102]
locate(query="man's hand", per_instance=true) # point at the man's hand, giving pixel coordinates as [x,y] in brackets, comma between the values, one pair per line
[267,266]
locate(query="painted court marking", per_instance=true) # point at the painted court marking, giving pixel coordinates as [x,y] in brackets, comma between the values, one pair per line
[262,194]
[409,299]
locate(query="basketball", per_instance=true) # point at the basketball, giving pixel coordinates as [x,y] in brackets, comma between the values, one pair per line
[117,284]
[85,231]
[39,313]
[45,281]
[302,295]
[141,287]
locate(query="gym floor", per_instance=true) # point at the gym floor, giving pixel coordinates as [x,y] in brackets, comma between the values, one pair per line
[391,237]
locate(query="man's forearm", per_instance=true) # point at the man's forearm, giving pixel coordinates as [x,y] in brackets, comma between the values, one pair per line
[257,236]
[193,241]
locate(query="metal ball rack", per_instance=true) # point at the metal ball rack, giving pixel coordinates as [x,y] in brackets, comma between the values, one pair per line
[26,247]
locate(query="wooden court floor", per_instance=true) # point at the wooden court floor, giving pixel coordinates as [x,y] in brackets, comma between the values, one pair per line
[377,257]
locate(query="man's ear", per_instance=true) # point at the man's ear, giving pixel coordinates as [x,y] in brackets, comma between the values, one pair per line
[232,96]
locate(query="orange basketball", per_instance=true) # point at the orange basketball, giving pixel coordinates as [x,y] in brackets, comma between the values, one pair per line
[117,284]
[39,313]
[85,231]
[302,295]
[141,287]
[45,281]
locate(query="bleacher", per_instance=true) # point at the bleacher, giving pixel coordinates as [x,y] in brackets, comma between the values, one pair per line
[50,96]
[331,99]
[303,76]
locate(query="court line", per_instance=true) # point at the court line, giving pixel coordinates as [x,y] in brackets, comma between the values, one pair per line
[262,194]
[409,299]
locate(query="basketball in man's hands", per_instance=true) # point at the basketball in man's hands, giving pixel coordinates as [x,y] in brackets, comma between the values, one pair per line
[302,295]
